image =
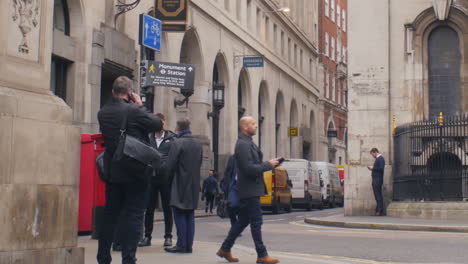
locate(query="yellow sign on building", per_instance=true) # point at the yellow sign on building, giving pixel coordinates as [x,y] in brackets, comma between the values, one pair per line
[293,132]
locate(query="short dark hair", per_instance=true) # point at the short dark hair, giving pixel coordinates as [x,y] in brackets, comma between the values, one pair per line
[374,150]
[183,124]
[161,116]
[121,85]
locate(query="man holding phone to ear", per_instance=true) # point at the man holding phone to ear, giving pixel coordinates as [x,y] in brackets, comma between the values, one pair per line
[251,186]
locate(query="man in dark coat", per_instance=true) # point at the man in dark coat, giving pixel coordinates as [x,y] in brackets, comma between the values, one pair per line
[184,162]
[377,180]
[209,191]
[251,187]
[160,185]
[127,187]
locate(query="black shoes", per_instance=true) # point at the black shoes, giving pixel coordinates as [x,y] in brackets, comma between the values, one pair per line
[144,242]
[177,249]
[168,242]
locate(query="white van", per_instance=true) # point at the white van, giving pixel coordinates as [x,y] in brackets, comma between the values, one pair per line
[331,184]
[305,191]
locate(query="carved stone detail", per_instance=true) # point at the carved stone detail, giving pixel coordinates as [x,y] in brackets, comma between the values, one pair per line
[26,14]
[442,8]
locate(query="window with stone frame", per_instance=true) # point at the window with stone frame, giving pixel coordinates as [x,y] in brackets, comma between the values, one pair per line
[327,8]
[338,15]
[327,85]
[332,49]
[343,17]
[327,45]
[332,10]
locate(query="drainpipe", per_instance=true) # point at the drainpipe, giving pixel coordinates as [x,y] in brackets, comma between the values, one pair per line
[390,149]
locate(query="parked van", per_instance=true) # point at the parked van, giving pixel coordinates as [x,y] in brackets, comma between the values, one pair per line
[331,184]
[278,187]
[306,192]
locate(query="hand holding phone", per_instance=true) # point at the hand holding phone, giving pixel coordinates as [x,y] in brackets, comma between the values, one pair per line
[281,159]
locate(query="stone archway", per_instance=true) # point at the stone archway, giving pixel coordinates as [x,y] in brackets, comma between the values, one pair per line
[243,93]
[294,151]
[191,53]
[263,117]
[280,127]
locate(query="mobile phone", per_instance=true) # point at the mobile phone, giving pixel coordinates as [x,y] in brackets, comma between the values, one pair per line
[281,159]
[130,96]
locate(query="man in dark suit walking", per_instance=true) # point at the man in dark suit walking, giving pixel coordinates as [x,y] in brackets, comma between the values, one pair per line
[184,162]
[159,184]
[377,180]
[251,186]
[127,187]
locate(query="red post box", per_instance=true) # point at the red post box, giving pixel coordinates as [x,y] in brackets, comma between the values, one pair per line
[92,189]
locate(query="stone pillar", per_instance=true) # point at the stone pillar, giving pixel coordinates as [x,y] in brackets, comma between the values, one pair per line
[39,146]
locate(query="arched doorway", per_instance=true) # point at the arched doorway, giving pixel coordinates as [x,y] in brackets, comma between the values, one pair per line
[279,121]
[263,118]
[444,181]
[331,135]
[220,130]
[243,89]
[293,122]
[191,53]
[444,72]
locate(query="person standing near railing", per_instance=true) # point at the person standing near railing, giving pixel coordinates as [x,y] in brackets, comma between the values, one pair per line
[377,180]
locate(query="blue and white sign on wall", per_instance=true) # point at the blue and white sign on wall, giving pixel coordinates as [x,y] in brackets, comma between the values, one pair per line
[150,32]
[251,62]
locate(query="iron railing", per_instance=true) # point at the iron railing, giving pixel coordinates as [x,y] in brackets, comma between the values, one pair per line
[430,162]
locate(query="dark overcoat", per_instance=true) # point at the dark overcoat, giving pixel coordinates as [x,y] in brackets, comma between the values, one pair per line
[140,122]
[183,165]
[250,168]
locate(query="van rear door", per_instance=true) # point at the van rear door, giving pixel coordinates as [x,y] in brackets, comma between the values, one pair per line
[297,172]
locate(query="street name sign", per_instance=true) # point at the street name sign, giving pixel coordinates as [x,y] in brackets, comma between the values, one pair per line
[252,62]
[150,32]
[167,74]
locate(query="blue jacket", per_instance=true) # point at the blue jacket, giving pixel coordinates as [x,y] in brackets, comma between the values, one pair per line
[378,168]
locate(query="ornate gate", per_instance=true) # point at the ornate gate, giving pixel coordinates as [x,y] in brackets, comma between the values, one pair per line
[431,160]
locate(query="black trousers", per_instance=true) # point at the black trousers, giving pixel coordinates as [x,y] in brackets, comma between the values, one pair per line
[209,202]
[128,201]
[377,183]
[250,212]
[233,215]
[157,187]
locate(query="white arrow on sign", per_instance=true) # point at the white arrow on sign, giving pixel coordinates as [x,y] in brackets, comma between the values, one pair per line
[190,69]
[146,29]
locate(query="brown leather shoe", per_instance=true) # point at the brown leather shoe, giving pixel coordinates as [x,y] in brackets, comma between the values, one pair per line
[227,255]
[267,260]
[378,214]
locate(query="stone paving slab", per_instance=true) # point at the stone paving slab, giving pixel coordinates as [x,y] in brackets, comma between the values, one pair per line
[389,223]
[204,252]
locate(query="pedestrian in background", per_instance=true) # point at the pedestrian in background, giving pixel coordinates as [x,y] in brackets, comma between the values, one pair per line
[377,180]
[127,187]
[184,163]
[159,185]
[230,190]
[251,187]
[210,191]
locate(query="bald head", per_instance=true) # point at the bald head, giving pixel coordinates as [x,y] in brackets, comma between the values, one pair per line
[248,125]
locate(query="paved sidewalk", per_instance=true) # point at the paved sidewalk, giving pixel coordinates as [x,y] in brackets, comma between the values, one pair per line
[159,216]
[204,252]
[388,223]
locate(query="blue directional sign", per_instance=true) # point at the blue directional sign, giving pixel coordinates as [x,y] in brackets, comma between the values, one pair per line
[150,32]
[250,62]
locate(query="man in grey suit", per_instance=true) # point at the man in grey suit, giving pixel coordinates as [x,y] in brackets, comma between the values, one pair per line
[251,186]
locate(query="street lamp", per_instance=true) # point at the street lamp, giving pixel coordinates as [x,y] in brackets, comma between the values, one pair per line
[218,104]
[281,10]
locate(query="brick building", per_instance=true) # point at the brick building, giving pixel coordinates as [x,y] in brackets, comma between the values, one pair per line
[333,57]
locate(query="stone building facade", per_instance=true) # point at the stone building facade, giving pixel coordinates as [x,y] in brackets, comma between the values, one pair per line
[59,59]
[333,46]
[395,51]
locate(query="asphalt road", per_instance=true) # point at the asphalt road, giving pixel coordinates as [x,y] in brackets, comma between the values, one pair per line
[289,233]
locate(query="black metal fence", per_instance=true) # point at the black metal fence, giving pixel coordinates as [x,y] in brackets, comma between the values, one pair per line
[430,161]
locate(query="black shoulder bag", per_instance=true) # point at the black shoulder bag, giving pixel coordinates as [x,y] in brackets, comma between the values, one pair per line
[132,150]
